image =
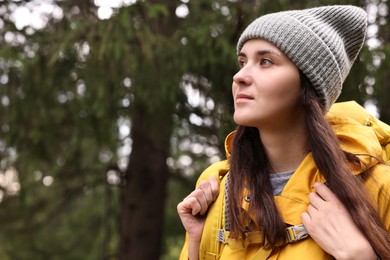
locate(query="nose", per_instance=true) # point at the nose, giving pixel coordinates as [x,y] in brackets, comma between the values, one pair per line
[242,77]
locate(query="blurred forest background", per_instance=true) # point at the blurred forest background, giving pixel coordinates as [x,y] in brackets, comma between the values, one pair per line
[109,111]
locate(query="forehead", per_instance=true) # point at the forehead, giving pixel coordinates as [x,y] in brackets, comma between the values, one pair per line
[254,45]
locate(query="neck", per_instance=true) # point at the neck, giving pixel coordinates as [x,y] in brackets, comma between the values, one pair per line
[286,147]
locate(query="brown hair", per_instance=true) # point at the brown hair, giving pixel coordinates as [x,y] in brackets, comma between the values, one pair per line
[249,166]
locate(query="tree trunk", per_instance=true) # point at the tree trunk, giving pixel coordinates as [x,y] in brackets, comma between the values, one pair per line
[143,196]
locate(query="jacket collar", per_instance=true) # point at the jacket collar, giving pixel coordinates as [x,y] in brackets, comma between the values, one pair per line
[359,133]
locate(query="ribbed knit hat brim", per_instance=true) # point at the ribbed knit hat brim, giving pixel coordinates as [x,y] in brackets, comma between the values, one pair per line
[323,43]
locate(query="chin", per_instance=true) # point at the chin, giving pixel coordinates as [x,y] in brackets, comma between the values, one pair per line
[243,121]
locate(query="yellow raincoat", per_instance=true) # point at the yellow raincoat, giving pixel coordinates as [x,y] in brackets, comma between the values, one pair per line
[360,133]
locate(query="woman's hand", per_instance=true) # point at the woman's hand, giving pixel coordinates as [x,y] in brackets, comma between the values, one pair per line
[192,212]
[193,208]
[330,224]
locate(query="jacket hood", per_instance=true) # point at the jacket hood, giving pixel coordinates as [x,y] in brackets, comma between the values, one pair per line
[359,133]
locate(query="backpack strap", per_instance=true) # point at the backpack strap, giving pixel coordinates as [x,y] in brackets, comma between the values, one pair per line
[210,248]
[296,233]
[217,226]
[293,233]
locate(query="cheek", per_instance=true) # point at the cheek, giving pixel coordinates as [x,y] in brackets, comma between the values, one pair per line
[289,86]
[234,89]
[295,87]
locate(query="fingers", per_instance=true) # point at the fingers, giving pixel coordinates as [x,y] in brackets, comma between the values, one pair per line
[309,218]
[209,188]
[189,205]
[322,204]
[198,201]
[214,187]
[201,202]
[321,195]
[323,191]
[316,200]
[306,219]
[207,192]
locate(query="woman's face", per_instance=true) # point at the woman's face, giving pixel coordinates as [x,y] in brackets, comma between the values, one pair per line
[266,89]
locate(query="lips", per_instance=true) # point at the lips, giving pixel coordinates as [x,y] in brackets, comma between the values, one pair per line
[241,97]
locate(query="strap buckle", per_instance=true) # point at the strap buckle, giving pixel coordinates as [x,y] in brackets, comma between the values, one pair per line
[221,236]
[296,233]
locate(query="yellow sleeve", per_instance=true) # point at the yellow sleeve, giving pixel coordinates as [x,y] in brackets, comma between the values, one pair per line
[378,185]
[217,169]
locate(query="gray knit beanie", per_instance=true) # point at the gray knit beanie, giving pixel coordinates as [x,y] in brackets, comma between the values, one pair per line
[323,43]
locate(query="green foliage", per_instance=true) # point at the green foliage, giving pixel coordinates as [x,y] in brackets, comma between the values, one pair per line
[65,87]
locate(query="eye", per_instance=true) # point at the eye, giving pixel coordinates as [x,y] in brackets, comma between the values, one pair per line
[265,61]
[241,63]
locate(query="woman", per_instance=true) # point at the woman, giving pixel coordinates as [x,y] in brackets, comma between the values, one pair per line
[297,184]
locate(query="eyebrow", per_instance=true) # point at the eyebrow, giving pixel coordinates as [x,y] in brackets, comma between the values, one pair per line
[259,53]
